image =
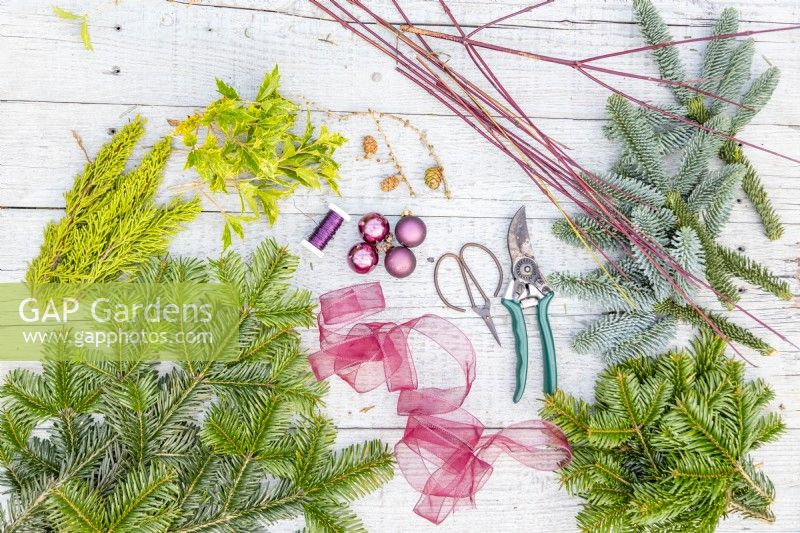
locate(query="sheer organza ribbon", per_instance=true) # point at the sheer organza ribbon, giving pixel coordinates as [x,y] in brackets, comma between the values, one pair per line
[445,453]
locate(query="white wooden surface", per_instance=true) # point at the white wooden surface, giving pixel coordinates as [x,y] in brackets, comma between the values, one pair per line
[159,59]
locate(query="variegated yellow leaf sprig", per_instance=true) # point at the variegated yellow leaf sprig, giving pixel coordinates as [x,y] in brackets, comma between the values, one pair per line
[249,146]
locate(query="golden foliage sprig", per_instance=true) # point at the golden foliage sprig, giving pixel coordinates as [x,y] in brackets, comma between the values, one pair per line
[112,223]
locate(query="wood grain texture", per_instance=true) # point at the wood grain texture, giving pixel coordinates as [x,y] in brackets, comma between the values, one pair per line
[159,59]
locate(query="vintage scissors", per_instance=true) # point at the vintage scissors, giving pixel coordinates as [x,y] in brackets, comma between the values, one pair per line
[527,289]
[483,311]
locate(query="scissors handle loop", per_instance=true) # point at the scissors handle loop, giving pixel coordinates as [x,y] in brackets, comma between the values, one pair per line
[467,276]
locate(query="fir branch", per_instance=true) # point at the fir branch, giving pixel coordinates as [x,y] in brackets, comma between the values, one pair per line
[687,250]
[655,31]
[745,268]
[629,192]
[275,507]
[697,154]
[767,429]
[640,140]
[662,123]
[606,332]
[79,507]
[718,51]
[130,446]
[329,517]
[600,234]
[732,331]
[717,275]
[705,191]
[174,471]
[675,139]
[665,446]
[718,211]
[652,339]
[354,472]
[738,71]
[655,224]
[751,183]
[571,415]
[594,286]
[756,98]
[142,501]
[696,200]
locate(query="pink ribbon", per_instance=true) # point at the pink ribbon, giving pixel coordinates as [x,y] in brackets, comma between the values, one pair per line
[444,453]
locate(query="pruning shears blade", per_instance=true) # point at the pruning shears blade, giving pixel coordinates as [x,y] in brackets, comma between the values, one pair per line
[524,268]
[519,241]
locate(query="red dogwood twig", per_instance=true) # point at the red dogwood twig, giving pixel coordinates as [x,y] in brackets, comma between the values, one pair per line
[500,120]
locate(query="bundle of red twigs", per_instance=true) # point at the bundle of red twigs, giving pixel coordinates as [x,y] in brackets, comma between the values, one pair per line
[497,117]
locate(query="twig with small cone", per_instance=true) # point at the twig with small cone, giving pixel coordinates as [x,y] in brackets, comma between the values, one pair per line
[400,174]
[434,178]
[370,146]
[437,171]
[390,183]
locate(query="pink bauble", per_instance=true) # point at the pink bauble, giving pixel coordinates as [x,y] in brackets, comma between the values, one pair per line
[400,262]
[373,227]
[362,258]
[410,231]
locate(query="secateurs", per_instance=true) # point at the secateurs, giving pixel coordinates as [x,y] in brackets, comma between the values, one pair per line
[528,289]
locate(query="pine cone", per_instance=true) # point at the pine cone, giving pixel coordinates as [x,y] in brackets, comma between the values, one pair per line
[390,183]
[370,146]
[433,177]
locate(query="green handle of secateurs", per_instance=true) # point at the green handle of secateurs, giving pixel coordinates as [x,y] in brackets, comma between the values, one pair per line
[548,346]
[521,343]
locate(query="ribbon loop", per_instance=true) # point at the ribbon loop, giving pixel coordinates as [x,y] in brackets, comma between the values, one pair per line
[444,453]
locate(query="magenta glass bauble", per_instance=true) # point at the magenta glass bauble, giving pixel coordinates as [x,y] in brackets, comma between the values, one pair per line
[373,227]
[400,262]
[410,231]
[362,258]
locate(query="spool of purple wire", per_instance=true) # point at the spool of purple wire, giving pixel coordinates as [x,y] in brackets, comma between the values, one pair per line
[325,230]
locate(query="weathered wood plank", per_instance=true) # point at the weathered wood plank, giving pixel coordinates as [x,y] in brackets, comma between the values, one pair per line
[168,59]
[161,62]
[36,174]
[472,12]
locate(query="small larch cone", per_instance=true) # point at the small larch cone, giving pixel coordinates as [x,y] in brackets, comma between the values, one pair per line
[370,146]
[433,177]
[390,183]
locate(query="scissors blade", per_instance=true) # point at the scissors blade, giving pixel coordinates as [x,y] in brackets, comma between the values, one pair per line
[519,241]
[492,329]
[484,311]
